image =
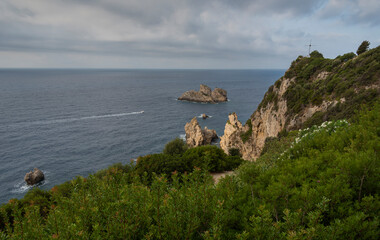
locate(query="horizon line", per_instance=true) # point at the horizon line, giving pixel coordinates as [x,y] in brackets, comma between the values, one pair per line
[68,68]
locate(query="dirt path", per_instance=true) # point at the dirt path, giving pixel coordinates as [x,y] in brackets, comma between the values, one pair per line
[218,176]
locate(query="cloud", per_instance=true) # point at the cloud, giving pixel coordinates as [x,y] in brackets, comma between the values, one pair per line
[214,33]
[353,11]
[293,8]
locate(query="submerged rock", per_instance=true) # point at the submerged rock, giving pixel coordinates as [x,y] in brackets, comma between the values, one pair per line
[204,116]
[196,136]
[34,176]
[205,95]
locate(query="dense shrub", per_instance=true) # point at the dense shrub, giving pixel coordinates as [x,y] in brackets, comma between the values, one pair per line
[316,54]
[175,147]
[210,158]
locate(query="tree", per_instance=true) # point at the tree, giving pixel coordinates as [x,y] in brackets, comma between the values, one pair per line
[175,147]
[363,47]
[316,54]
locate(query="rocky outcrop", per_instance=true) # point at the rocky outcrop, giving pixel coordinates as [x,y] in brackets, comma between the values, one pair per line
[205,95]
[314,89]
[196,136]
[265,122]
[204,116]
[34,177]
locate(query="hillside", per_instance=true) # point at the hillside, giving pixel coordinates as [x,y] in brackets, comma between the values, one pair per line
[313,90]
[321,182]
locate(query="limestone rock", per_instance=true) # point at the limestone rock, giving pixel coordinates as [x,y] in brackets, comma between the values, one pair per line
[205,90]
[196,136]
[34,177]
[266,122]
[205,95]
[219,95]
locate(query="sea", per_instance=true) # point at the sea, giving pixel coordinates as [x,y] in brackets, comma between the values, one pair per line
[71,122]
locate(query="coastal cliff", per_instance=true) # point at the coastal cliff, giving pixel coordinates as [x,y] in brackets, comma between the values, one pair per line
[313,90]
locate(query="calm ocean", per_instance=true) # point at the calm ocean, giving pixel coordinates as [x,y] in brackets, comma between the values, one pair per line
[76,122]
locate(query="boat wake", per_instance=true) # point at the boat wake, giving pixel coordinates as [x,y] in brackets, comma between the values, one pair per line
[67,120]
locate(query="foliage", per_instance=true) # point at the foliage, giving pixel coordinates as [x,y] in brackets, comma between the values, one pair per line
[209,157]
[323,184]
[316,54]
[347,80]
[175,147]
[234,152]
[247,134]
[363,47]
[345,57]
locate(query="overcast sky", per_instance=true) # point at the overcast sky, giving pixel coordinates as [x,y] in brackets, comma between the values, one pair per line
[229,34]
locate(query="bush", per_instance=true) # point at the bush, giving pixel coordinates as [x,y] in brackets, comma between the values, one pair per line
[211,158]
[234,152]
[316,54]
[175,147]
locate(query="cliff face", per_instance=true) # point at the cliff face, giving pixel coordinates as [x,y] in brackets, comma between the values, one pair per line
[313,90]
[265,122]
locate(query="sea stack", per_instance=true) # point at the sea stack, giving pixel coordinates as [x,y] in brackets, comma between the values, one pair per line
[196,136]
[205,95]
[34,176]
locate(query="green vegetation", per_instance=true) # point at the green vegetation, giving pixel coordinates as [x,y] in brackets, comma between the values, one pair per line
[246,135]
[318,183]
[175,147]
[348,81]
[321,182]
[210,158]
[363,47]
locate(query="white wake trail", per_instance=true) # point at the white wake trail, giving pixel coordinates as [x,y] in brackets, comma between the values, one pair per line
[66,120]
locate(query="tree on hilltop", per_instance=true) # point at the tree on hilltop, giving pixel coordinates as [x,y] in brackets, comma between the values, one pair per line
[363,47]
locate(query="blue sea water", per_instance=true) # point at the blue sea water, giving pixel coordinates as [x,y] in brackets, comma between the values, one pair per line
[76,122]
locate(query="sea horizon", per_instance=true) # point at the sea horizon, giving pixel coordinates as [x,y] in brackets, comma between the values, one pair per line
[76,122]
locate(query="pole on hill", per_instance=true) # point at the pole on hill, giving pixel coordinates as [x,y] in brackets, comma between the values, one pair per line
[310,45]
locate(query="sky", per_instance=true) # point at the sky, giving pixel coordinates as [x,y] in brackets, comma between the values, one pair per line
[180,34]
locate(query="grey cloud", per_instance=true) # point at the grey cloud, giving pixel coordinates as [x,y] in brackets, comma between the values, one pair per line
[143,12]
[220,31]
[6,6]
[353,11]
[293,7]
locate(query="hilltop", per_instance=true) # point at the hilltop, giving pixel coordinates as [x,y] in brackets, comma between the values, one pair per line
[313,90]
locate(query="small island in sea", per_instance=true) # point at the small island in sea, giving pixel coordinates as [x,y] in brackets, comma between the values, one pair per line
[205,95]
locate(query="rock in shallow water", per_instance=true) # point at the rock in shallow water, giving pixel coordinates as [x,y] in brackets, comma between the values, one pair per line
[34,176]
[196,136]
[204,116]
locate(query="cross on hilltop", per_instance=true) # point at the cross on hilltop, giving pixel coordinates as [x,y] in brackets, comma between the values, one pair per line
[310,45]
